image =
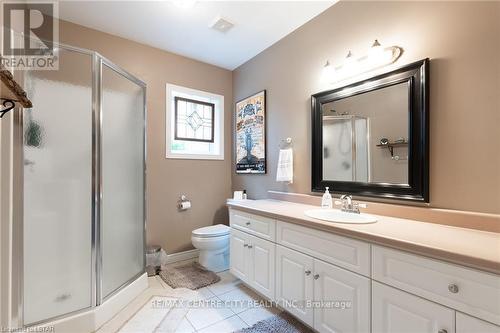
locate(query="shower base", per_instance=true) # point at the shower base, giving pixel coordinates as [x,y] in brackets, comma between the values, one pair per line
[92,319]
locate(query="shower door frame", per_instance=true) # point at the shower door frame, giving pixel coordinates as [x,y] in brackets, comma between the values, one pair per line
[17,271]
[117,69]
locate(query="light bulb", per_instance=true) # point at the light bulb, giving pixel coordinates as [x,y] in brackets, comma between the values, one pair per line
[349,65]
[376,53]
[328,73]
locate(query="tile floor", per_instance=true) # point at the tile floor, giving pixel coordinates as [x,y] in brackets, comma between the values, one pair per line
[227,306]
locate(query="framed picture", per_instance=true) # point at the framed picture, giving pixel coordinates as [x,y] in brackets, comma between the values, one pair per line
[251,134]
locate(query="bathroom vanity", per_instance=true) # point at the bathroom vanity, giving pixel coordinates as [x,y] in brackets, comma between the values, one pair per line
[395,275]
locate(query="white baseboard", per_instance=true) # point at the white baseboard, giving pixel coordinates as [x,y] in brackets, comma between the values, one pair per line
[180,256]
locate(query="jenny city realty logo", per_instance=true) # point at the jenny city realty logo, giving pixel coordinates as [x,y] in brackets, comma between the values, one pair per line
[29,32]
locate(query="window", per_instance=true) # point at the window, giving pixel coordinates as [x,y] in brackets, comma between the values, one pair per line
[194,123]
[194,120]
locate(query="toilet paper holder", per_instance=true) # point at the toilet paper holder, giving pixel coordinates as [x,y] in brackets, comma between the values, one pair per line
[183,203]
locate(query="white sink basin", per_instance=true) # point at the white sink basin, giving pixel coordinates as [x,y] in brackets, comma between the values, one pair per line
[335,215]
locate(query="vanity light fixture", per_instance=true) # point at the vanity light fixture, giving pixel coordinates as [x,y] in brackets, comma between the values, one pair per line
[377,57]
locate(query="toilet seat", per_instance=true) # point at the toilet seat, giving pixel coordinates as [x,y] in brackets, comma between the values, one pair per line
[211,231]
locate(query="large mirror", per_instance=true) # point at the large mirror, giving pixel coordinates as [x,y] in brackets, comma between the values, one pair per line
[371,138]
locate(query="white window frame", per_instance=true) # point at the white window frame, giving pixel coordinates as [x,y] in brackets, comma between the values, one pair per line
[169,122]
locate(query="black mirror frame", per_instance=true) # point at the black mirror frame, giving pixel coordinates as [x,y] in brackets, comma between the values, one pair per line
[417,189]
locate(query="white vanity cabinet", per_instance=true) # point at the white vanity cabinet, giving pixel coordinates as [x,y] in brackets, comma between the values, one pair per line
[294,283]
[260,226]
[460,288]
[253,261]
[348,253]
[339,284]
[262,266]
[239,256]
[395,311]
[343,298]
[324,296]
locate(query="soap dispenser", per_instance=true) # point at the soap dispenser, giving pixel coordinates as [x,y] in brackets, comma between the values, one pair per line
[326,201]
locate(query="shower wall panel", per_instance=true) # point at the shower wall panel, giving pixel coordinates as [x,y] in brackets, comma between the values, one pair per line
[122,137]
[57,189]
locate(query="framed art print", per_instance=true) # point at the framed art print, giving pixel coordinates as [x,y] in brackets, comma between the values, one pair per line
[251,134]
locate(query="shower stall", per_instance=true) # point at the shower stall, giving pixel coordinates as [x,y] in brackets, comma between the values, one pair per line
[80,185]
[346,148]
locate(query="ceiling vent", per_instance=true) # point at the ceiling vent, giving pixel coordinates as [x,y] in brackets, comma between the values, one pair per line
[221,25]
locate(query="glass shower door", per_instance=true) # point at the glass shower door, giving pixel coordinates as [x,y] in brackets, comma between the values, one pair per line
[338,149]
[57,191]
[122,174]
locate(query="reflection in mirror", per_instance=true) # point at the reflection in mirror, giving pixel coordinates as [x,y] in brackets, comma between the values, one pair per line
[365,136]
[371,138]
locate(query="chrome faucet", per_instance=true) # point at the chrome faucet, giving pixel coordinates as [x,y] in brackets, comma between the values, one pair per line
[348,205]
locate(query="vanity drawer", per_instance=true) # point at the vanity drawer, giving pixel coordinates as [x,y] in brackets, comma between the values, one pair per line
[470,291]
[260,226]
[345,252]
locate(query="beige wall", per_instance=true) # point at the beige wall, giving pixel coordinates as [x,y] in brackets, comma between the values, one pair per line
[462,40]
[206,183]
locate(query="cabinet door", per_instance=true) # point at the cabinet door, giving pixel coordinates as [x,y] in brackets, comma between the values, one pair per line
[342,298]
[395,311]
[239,255]
[468,324]
[262,265]
[294,283]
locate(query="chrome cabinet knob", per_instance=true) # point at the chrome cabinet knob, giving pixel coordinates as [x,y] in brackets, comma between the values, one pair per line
[250,246]
[316,276]
[453,288]
[245,245]
[442,331]
[248,223]
[308,272]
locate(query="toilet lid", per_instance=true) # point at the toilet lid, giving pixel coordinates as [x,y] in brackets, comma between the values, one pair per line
[212,231]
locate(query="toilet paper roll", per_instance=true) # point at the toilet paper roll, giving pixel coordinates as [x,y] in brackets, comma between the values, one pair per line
[185,205]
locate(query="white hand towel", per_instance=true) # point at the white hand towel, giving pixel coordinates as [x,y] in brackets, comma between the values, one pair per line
[285,166]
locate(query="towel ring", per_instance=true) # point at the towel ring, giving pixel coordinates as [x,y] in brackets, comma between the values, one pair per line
[286,143]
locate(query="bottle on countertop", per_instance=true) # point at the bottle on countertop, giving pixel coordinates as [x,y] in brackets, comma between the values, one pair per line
[244,194]
[326,201]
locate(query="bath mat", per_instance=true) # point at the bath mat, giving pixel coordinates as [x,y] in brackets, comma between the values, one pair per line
[192,276]
[280,323]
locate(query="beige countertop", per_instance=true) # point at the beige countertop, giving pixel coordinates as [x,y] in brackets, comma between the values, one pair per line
[468,247]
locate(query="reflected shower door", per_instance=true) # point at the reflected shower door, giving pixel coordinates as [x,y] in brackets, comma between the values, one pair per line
[57,191]
[338,161]
[122,174]
[345,148]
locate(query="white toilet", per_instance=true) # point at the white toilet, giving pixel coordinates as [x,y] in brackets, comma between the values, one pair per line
[213,243]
